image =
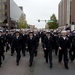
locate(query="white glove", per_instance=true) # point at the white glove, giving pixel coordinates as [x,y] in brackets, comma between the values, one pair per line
[44,48]
[59,48]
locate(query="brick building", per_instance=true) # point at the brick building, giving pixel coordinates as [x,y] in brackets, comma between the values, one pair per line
[9,14]
[64,12]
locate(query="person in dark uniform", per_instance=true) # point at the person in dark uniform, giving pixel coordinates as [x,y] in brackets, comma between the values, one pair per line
[64,45]
[11,35]
[48,42]
[7,40]
[55,43]
[43,34]
[24,38]
[17,44]
[70,36]
[31,44]
[73,48]
[36,35]
[1,48]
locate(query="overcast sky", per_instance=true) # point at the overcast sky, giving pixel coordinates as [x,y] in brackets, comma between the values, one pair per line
[38,9]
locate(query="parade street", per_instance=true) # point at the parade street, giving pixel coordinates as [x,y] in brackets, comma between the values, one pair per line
[37,37]
[39,66]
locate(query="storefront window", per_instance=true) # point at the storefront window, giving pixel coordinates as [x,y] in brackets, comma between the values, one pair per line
[3,13]
[0,0]
[0,6]
[3,7]
[1,21]
[0,13]
[4,0]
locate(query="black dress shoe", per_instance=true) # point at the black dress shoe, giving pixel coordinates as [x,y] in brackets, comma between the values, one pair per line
[17,64]
[23,54]
[11,54]
[59,61]
[51,67]
[71,60]
[3,57]
[67,67]
[44,56]
[0,65]
[46,61]
[35,55]
[30,65]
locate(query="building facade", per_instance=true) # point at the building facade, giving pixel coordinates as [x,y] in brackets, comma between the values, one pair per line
[59,14]
[73,11]
[64,13]
[31,26]
[9,14]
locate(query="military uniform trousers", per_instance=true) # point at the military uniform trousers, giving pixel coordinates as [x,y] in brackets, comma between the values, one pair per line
[48,56]
[63,54]
[31,53]
[18,51]
[0,59]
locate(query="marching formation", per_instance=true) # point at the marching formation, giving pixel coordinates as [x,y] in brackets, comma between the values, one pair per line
[22,41]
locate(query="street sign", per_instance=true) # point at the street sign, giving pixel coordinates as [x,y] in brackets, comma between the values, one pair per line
[50,21]
[45,20]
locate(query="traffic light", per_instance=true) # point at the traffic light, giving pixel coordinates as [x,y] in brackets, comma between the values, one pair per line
[39,20]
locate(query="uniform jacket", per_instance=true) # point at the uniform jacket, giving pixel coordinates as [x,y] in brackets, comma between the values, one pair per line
[1,44]
[31,43]
[64,43]
[48,43]
[17,42]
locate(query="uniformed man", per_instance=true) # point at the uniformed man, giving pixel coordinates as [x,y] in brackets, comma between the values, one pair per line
[64,45]
[72,52]
[48,42]
[71,40]
[1,48]
[31,44]
[36,35]
[7,40]
[43,34]
[17,44]
[55,44]
[24,38]
[10,40]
